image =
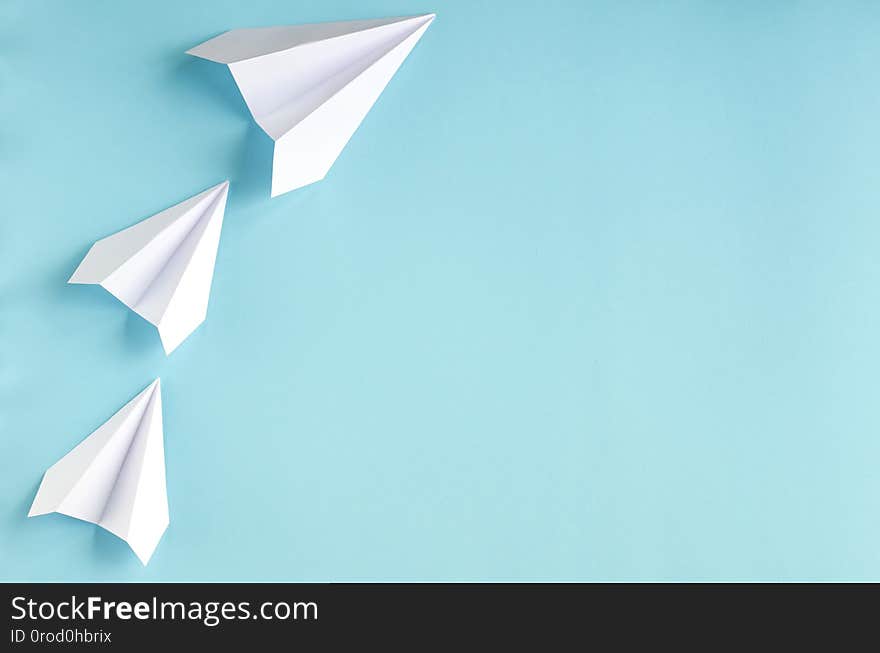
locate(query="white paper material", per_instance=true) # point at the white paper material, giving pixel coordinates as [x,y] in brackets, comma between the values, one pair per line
[310,86]
[162,267]
[115,478]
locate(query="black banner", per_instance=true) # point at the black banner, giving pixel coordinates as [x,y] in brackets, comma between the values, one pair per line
[144,616]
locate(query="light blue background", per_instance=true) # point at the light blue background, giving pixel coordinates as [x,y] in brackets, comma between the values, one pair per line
[593,293]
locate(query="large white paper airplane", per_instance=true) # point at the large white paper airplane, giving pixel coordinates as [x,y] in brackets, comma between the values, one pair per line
[162,267]
[310,86]
[115,478]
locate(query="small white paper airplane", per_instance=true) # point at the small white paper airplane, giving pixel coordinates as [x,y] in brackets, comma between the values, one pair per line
[310,86]
[115,478]
[162,267]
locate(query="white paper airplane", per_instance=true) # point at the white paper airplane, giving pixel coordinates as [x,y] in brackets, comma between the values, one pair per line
[115,478]
[310,86]
[161,268]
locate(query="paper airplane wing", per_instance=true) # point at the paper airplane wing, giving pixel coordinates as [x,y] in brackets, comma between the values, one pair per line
[310,86]
[115,478]
[162,267]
